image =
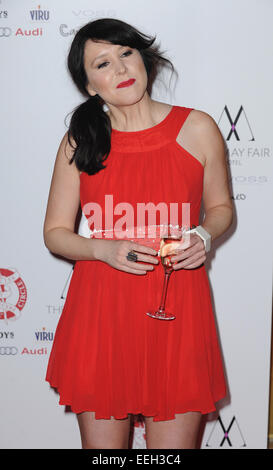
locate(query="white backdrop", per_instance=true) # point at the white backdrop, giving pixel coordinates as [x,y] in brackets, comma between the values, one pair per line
[223,54]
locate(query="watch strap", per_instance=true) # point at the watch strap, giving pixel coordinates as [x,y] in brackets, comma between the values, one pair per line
[204,235]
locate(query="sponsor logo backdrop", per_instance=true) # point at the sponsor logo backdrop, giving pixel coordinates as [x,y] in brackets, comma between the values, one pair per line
[222,51]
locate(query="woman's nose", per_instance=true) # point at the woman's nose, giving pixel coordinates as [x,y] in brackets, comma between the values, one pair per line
[120,67]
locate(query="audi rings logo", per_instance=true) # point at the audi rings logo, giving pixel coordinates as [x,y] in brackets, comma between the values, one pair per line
[8,350]
[5,32]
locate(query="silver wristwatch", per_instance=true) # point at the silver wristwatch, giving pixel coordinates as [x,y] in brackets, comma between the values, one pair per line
[202,233]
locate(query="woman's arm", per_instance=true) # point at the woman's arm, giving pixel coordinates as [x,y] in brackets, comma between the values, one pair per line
[62,208]
[216,194]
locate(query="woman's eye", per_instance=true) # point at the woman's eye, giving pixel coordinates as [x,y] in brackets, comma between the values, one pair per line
[127,53]
[102,65]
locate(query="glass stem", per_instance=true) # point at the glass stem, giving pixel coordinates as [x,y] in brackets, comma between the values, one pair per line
[164,291]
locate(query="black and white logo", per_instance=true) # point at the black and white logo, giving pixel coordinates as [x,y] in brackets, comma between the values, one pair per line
[226,435]
[237,127]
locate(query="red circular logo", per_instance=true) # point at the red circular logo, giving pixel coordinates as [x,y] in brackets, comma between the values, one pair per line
[13,294]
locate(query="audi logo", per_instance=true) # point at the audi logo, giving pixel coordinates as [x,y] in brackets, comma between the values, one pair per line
[5,32]
[8,350]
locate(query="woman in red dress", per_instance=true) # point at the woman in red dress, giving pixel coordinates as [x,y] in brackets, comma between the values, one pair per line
[123,150]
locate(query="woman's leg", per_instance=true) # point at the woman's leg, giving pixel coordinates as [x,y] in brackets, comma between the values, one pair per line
[178,433]
[103,433]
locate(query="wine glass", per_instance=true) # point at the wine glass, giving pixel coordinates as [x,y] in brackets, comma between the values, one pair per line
[167,237]
[171,239]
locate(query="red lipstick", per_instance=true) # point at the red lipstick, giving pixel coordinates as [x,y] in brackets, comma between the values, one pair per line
[128,83]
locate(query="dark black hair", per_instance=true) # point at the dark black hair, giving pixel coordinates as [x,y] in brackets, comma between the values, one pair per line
[90,126]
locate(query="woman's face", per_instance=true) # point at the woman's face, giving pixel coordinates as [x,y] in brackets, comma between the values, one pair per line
[116,64]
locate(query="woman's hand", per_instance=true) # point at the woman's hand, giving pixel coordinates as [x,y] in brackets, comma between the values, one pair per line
[114,252]
[192,257]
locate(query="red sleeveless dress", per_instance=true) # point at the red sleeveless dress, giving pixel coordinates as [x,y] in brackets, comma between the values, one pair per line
[108,356]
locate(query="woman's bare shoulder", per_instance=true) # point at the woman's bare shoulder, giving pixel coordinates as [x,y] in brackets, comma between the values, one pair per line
[204,129]
[67,148]
[201,118]
[202,125]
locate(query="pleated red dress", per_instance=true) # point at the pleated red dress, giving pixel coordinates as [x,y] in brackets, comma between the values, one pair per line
[108,356]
